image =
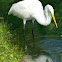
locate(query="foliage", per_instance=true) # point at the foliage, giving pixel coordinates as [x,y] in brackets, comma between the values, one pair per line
[8,52]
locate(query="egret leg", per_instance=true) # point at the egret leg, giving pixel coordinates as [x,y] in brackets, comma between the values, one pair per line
[24,21]
[33,33]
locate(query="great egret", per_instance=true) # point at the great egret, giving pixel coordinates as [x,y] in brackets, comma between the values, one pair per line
[32,10]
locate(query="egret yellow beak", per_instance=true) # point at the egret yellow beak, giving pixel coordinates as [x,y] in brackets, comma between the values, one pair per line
[54,20]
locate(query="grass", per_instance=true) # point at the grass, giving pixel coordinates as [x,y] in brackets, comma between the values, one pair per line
[8,52]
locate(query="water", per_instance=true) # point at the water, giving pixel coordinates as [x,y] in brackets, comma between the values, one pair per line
[48,40]
[47,45]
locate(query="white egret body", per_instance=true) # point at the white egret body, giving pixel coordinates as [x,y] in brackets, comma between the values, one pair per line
[33,10]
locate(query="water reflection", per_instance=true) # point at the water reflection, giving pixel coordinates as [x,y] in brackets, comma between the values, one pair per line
[47,45]
[41,58]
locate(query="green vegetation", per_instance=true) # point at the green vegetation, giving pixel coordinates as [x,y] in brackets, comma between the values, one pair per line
[8,52]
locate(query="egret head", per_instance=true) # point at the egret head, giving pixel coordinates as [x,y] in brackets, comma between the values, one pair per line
[51,10]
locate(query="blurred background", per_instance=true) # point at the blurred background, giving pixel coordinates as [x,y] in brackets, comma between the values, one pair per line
[48,39]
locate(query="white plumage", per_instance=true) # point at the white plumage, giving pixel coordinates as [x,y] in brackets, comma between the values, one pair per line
[32,9]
